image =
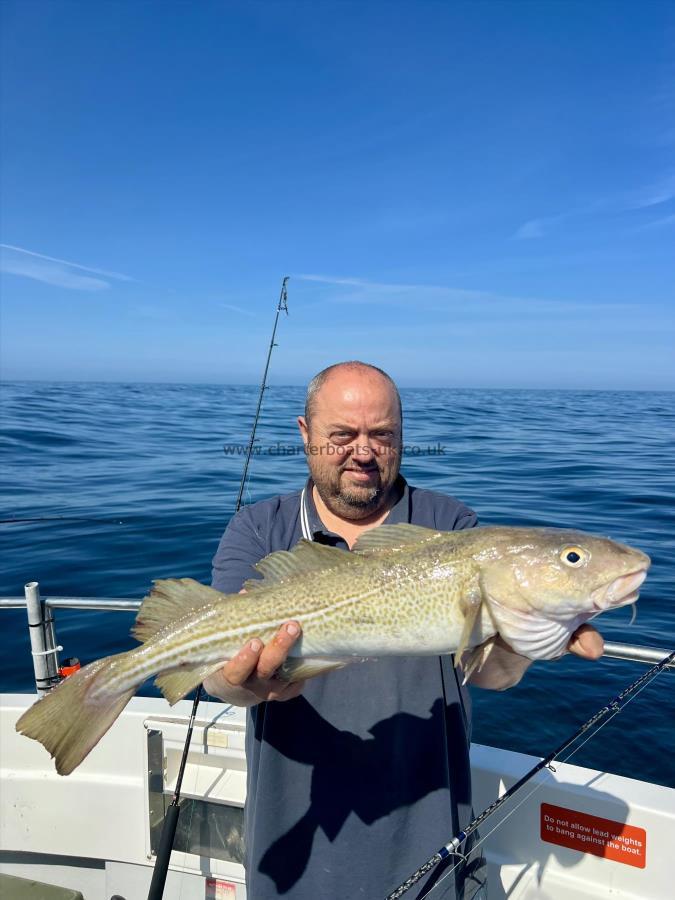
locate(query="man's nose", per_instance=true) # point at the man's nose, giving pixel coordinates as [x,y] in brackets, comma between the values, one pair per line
[363,450]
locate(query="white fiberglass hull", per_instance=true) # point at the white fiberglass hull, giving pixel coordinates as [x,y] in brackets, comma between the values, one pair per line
[580,834]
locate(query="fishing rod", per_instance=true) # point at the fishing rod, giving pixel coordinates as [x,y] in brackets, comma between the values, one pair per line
[170,824]
[33,519]
[452,847]
[282,306]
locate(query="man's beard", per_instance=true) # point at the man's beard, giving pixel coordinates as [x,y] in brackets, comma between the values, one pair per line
[350,501]
[363,501]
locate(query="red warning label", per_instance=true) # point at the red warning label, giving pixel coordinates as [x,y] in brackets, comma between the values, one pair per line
[592,834]
[220,890]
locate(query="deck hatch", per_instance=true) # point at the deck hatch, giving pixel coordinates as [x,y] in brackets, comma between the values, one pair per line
[206,827]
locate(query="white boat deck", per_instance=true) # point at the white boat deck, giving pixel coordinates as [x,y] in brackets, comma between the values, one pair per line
[92,830]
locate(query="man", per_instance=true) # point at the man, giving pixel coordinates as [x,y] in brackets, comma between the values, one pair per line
[358,775]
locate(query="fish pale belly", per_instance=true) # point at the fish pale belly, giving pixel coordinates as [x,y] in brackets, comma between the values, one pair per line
[424,640]
[309,658]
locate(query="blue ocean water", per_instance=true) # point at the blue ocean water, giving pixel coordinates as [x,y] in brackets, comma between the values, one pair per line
[141,475]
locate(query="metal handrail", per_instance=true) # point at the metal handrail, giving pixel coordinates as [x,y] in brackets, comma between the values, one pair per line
[107,604]
[637,653]
[613,650]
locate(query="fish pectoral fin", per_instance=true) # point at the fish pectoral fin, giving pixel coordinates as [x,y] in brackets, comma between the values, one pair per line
[298,669]
[471,602]
[474,660]
[394,537]
[175,684]
[171,599]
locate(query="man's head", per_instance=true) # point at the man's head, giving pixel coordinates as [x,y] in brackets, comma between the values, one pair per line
[352,435]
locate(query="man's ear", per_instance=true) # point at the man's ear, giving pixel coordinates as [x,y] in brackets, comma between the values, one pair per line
[304,430]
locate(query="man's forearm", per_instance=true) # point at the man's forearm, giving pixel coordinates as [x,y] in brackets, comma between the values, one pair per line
[502,669]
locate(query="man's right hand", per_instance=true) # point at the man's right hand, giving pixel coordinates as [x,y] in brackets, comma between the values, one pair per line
[248,678]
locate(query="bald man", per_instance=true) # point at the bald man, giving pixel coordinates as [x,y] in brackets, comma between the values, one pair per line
[357,776]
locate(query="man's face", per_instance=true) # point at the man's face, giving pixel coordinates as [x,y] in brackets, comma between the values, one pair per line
[353,442]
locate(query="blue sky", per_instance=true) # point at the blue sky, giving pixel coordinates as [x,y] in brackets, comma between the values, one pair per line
[466,193]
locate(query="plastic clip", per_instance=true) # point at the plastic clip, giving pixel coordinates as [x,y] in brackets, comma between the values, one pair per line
[46,652]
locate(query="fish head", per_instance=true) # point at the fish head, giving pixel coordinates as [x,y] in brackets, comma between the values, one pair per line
[541,584]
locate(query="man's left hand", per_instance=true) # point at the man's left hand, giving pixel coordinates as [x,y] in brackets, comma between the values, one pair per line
[586,642]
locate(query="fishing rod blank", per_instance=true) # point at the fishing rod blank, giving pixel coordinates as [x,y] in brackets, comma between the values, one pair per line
[170,824]
[171,817]
[33,519]
[452,847]
[282,305]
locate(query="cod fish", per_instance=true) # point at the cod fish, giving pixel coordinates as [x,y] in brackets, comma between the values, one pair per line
[404,590]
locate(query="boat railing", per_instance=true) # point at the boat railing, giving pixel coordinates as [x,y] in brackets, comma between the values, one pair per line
[45,649]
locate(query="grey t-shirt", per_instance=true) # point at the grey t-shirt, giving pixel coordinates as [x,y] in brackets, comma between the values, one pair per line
[354,784]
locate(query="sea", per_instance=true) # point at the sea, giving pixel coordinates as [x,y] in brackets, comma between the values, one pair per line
[108,486]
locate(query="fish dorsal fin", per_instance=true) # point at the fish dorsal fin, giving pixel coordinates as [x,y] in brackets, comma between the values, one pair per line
[306,556]
[170,599]
[394,537]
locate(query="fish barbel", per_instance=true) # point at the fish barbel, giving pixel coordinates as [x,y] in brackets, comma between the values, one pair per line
[404,590]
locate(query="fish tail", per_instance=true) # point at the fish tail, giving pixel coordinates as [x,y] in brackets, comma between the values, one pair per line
[71,719]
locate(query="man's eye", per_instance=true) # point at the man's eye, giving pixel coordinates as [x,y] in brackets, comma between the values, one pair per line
[384,435]
[341,436]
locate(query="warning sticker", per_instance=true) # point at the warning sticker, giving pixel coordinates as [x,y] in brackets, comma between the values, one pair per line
[592,834]
[220,890]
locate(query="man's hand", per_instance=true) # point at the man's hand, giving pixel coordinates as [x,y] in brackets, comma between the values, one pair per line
[248,678]
[586,642]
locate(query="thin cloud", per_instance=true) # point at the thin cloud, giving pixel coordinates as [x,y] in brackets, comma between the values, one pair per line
[660,223]
[238,309]
[629,201]
[652,195]
[372,288]
[349,282]
[537,228]
[55,271]
[437,299]
[52,274]
[401,293]
[532,229]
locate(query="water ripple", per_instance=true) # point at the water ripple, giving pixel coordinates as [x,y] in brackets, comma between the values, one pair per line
[145,464]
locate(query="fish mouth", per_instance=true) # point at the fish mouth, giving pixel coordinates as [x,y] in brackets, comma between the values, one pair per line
[620,592]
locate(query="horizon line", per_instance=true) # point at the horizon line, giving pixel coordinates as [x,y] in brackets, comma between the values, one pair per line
[256,386]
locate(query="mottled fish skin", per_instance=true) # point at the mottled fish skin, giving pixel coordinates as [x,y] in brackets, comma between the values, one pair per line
[405,603]
[405,590]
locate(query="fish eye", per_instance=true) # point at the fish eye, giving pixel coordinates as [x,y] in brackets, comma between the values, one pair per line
[573,556]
